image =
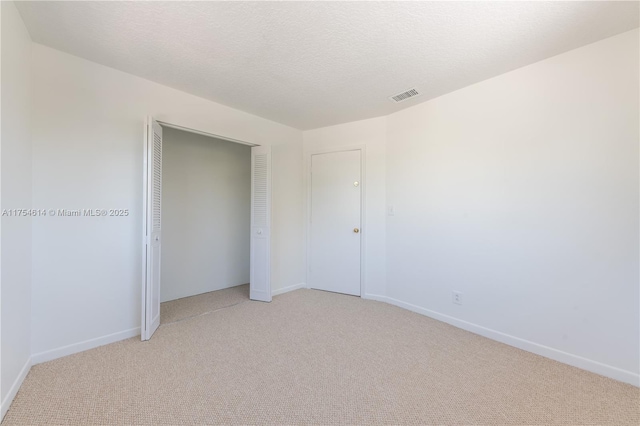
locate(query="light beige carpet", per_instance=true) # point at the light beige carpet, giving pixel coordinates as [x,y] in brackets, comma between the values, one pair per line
[189,307]
[312,357]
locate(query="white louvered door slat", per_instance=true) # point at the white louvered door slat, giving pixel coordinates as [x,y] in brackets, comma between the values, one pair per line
[157,179]
[260,274]
[152,230]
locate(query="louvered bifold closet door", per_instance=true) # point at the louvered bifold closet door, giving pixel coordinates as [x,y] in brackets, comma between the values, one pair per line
[153,230]
[260,275]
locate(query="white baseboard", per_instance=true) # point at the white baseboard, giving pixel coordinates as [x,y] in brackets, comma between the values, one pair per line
[83,346]
[545,351]
[375,297]
[287,289]
[6,402]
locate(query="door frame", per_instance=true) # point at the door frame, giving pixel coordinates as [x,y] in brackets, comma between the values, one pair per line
[203,133]
[363,197]
[145,166]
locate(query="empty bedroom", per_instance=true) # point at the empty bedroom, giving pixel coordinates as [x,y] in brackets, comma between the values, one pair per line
[320,213]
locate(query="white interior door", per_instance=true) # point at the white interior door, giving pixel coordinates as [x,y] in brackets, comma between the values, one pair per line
[260,270]
[151,229]
[335,222]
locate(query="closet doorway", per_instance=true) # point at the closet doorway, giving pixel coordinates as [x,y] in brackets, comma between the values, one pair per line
[206,227]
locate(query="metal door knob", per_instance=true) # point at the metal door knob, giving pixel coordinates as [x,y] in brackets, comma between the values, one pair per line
[356,230]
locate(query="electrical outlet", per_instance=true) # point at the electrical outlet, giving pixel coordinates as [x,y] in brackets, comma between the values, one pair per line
[456,297]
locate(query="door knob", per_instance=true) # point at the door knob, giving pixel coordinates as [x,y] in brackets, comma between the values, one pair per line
[356,230]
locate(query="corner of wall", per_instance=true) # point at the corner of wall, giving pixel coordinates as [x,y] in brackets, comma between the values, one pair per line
[15,179]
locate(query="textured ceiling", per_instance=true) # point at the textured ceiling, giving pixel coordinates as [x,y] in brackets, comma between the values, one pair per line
[313,64]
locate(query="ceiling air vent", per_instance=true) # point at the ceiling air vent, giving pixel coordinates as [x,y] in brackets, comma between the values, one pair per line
[405,95]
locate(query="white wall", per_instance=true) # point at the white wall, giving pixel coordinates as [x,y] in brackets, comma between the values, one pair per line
[87,153]
[206,212]
[372,134]
[15,168]
[522,193]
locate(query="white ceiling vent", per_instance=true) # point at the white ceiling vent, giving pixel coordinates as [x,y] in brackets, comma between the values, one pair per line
[411,93]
